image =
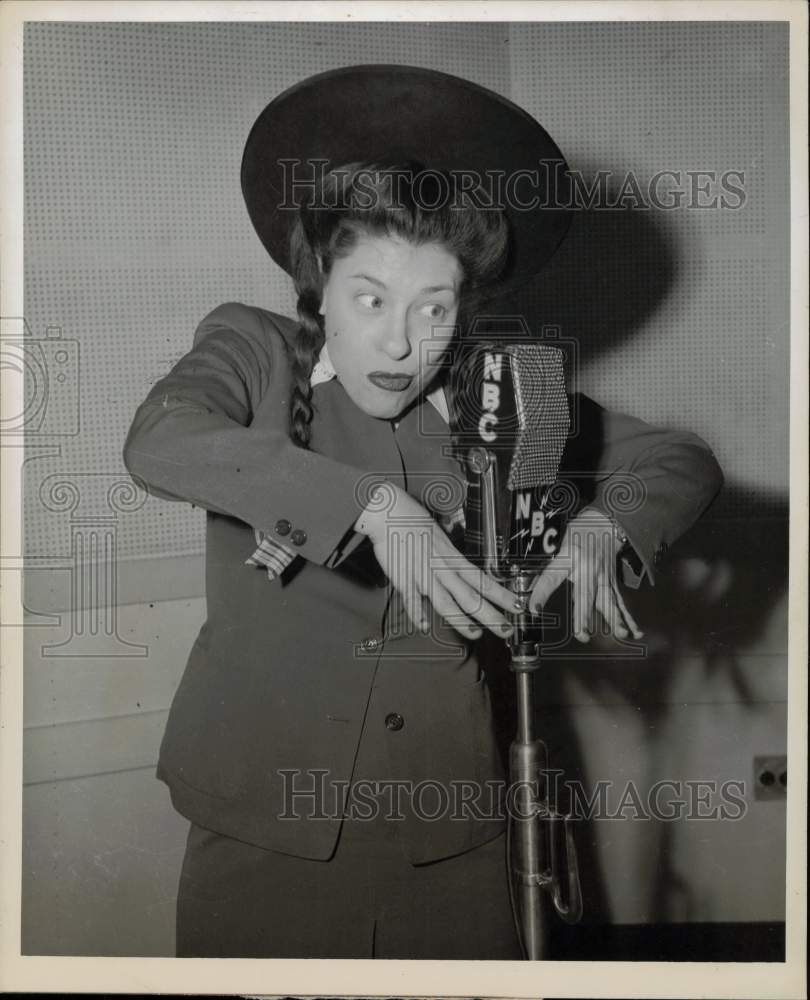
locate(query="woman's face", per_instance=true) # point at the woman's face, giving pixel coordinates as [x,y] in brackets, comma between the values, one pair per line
[389,308]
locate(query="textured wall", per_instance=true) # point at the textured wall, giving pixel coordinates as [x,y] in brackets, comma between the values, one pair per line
[135,228]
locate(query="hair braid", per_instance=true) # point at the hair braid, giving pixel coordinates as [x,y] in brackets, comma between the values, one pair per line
[307,345]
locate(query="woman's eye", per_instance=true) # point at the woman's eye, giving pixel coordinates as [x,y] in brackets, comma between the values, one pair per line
[433,310]
[368,300]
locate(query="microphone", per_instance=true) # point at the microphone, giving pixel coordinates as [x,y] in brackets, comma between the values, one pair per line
[510,422]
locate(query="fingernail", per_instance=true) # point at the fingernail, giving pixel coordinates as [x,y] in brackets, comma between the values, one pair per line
[506,629]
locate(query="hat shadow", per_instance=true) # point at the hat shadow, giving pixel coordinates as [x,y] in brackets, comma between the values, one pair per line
[611,272]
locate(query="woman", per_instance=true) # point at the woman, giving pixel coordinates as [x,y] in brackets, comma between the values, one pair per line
[331,740]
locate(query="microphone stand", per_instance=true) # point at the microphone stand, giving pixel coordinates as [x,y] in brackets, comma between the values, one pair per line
[536,867]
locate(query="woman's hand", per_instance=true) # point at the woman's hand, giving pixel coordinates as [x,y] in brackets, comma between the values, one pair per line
[419,559]
[587,558]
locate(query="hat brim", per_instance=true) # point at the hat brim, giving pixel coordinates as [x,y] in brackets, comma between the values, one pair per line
[380,112]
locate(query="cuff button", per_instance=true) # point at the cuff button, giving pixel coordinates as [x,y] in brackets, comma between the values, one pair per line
[298,537]
[283,527]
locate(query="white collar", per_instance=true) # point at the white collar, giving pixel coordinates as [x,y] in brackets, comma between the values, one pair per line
[323,371]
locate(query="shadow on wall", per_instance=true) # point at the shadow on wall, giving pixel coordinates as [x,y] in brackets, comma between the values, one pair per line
[612,271]
[715,601]
[717,595]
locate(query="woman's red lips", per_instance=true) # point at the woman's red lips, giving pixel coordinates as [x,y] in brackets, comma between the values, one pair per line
[390,381]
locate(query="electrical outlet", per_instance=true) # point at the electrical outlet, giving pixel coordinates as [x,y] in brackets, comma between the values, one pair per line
[770,777]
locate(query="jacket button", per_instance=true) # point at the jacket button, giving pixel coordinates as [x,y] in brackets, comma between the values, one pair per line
[283,527]
[298,537]
[370,644]
[394,722]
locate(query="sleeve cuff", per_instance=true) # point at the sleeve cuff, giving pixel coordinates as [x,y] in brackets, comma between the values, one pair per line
[634,567]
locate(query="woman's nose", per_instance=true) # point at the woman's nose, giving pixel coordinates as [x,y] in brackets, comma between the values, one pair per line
[396,339]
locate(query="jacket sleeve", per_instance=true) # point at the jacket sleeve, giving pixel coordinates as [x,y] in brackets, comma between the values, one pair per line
[654,483]
[195,438]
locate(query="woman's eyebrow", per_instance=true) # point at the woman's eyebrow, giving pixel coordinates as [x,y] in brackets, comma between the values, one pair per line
[425,291]
[374,281]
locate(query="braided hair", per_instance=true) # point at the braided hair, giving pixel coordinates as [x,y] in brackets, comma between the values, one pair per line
[380,199]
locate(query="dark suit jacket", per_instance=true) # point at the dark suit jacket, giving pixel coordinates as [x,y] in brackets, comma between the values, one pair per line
[290,675]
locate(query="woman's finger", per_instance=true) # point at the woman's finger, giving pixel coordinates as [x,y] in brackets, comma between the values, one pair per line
[448,609]
[474,606]
[419,614]
[415,608]
[583,585]
[584,595]
[609,610]
[485,585]
[556,573]
[628,618]
[402,570]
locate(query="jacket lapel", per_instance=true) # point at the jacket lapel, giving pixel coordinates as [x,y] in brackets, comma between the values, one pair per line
[417,456]
[434,476]
[342,431]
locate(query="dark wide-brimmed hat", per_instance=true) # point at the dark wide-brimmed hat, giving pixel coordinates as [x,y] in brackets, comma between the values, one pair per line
[385,112]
